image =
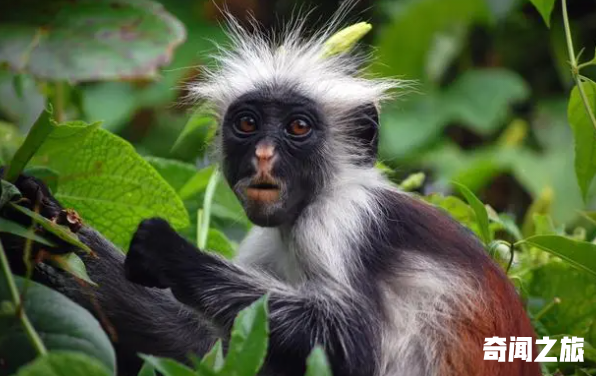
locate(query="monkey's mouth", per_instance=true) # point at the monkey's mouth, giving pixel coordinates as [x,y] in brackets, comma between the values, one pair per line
[264,191]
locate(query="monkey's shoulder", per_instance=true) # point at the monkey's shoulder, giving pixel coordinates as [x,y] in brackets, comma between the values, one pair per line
[409,226]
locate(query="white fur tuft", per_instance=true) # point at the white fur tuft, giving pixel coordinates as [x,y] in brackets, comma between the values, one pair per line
[255,62]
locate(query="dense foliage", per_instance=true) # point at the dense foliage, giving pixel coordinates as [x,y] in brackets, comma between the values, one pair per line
[501,108]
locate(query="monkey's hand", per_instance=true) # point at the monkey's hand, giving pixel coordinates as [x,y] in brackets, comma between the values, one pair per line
[36,197]
[157,253]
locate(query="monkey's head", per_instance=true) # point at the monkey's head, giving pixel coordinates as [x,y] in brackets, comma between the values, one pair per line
[292,121]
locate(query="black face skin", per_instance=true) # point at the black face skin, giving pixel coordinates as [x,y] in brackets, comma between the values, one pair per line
[296,130]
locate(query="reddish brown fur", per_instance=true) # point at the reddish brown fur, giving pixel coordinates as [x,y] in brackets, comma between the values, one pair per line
[500,314]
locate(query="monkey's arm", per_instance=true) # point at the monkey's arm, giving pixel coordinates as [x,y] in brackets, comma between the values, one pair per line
[298,318]
[144,320]
[138,319]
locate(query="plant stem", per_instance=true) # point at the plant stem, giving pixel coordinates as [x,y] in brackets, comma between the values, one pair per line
[59,102]
[575,69]
[16,299]
[511,257]
[547,308]
[37,135]
[206,213]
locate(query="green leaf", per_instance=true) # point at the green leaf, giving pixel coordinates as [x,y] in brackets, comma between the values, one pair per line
[196,135]
[43,126]
[61,232]
[249,340]
[480,99]
[225,204]
[176,173]
[218,242]
[47,175]
[168,367]
[479,210]
[590,216]
[545,7]
[64,363]
[20,108]
[204,215]
[504,222]
[107,182]
[411,125]
[574,292]
[62,324]
[317,364]
[543,225]
[10,140]
[579,254]
[457,208]
[147,370]
[8,192]
[413,182]
[197,184]
[112,103]
[73,264]
[404,44]
[214,359]
[584,135]
[14,228]
[87,39]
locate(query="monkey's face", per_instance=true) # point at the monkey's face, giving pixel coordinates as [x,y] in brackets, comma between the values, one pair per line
[273,154]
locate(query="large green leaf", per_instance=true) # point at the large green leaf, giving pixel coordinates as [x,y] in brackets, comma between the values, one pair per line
[107,182]
[584,134]
[87,39]
[575,292]
[64,363]
[480,99]
[545,7]
[403,46]
[61,324]
[581,255]
[411,125]
[248,344]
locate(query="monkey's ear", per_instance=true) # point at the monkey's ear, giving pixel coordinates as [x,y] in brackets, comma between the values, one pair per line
[366,131]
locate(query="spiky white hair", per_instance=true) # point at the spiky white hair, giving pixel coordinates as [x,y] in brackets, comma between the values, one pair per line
[254,61]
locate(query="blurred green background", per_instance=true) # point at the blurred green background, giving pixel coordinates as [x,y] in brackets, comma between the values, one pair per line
[489,107]
[489,110]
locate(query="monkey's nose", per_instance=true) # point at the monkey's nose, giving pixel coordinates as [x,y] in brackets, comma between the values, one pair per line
[265,157]
[265,152]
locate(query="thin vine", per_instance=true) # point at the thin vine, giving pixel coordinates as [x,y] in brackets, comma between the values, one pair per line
[18,305]
[575,68]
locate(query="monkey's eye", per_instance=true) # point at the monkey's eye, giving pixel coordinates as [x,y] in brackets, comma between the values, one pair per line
[245,124]
[299,128]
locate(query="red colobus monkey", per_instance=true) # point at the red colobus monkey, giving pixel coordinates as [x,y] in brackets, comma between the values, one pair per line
[387,284]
